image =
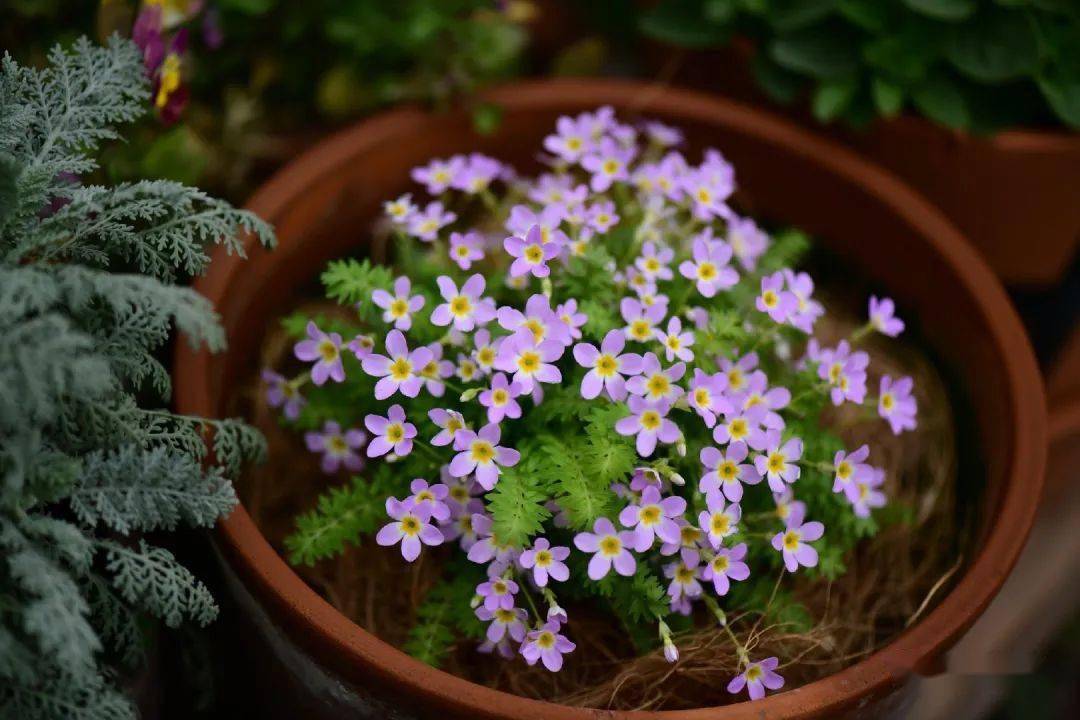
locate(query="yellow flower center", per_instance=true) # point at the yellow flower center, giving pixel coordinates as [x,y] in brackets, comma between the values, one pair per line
[843,470]
[704,196]
[424,495]
[650,515]
[543,558]
[720,563]
[459,493]
[702,397]
[735,378]
[395,433]
[728,470]
[428,226]
[482,451]
[769,298]
[689,534]
[485,356]
[574,143]
[720,524]
[753,673]
[737,429]
[170,80]
[684,574]
[776,462]
[505,616]
[467,370]
[864,490]
[673,342]
[610,545]
[791,540]
[528,362]
[658,385]
[460,306]
[545,640]
[706,271]
[650,419]
[534,254]
[499,397]
[410,525]
[399,308]
[328,351]
[537,328]
[401,369]
[499,587]
[753,400]
[336,444]
[610,166]
[462,251]
[606,365]
[431,370]
[453,424]
[888,401]
[652,264]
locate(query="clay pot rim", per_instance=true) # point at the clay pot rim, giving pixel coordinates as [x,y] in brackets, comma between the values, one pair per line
[918,649]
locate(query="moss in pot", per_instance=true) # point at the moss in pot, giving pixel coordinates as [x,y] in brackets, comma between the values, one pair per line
[633,424]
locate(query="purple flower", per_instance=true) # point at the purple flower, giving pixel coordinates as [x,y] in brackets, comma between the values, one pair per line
[744,425]
[787,505]
[570,140]
[663,135]
[727,473]
[653,518]
[655,382]
[546,562]
[883,318]
[747,241]
[547,646]
[708,190]
[653,261]
[504,622]
[726,565]
[896,403]
[538,320]
[425,224]
[602,216]
[500,400]
[648,420]
[325,350]
[390,433]
[399,307]
[845,371]
[756,677]
[737,371]
[465,249]
[433,497]
[477,174]
[806,310]
[568,314]
[338,448]
[486,351]
[676,342]
[467,369]
[282,393]
[438,175]
[411,527]
[606,366]
[487,545]
[640,318]
[465,309]
[530,363]
[497,593]
[774,300]
[709,267]
[450,423]
[777,463]
[608,163]
[435,370]
[863,493]
[400,211]
[793,542]
[361,346]
[719,520]
[523,218]
[850,467]
[481,453]
[684,576]
[706,396]
[609,548]
[551,188]
[759,395]
[399,371]
[531,253]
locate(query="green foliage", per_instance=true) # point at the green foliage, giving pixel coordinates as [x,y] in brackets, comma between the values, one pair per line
[444,615]
[87,304]
[352,281]
[961,63]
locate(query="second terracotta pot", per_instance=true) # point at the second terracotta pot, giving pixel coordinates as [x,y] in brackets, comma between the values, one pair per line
[315,663]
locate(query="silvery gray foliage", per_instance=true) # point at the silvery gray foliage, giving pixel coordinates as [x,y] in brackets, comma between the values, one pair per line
[87,295]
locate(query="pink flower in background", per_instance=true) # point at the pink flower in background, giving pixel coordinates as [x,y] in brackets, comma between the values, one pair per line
[438,175]
[399,307]
[719,519]
[391,433]
[400,211]
[477,174]
[654,261]
[850,467]
[863,492]
[747,241]
[883,317]
[497,593]
[523,218]
[337,447]
[806,310]
[282,393]
[531,253]
[531,364]
[571,140]
[684,576]
[568,314]
[538,321]
[706,396]
[433,497]
[610,548]
[608,164]
[325,350]
[896,403]
[450,422]
[656,382]
[641,319]
[676,342]
[425,224]
[467,248]
[505,622]
[774,300]
[756,678]
[411,527]
[602,216]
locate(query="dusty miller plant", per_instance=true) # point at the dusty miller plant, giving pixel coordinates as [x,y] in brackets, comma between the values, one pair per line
[90,458]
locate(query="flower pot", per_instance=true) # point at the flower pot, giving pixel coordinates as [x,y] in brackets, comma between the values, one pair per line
[314,661]
[1012,193]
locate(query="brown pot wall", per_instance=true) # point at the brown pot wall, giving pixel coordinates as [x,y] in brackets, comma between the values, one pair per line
[322,203]
[1015,194]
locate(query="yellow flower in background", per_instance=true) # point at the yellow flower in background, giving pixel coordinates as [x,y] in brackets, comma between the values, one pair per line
[170,80]
[175,12]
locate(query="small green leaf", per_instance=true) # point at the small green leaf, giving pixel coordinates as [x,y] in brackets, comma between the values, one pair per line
[831,99]
[683,23]
[888,97]
[781,85]
[1063,94]
[949,10]
[825,52]
[997,45]
[940,100]
[486,118]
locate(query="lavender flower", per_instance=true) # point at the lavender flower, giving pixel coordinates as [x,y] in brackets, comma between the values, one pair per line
[709,268]
[653,261]
[793,542]
[706,396]
[655,382]
[530,363]
[608,163]
[531,253]
[338,448]
[806,310]
[481,453]
[438,175]
[486,351]
[684,576]
[609,548]
[467,248]
[546,562]
[399,371]
[778,463]
[477,174]
[497,593]
[896,403]
[571,139]
[756,678]
[719,519]
[538,320]
[433,497]
[676,342]
[648,421]
[325,350]
[727,473]
[411,527]
[726,565]
[505,622]
[747,241]
[602,216]
[425,224]
[653,517]
[399,307]
[547,645]
[568,314]
[738,371]
[845,371]
[400,211]
[500,400]
[850,467]
[282,393]
[863,493]
[523,218]
[606,366]
[742,425]
[883,318]
[390,433]
[640,318]
[465,309]
[450,423]
[774,300]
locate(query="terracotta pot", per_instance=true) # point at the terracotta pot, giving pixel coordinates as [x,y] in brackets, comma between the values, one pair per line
[319,663]
[1014,194]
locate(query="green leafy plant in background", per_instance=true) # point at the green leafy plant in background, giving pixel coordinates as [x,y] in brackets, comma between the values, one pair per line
[966,64]
[89,458]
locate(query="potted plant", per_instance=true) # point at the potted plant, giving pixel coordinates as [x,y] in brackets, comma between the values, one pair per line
[324,207]
[92,459]
[972,103]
